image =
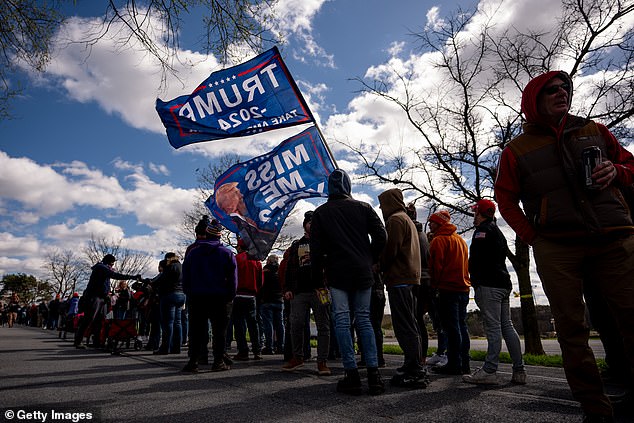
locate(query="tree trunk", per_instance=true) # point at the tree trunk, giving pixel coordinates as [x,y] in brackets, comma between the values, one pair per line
[520,262]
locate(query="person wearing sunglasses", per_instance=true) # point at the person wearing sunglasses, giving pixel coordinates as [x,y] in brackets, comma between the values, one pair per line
[575,218]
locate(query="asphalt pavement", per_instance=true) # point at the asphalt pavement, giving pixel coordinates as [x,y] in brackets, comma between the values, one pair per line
[41,375]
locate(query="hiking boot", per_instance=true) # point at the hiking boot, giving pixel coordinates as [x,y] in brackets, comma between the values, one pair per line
[437,360]
[322,369]
[519,377]
[351,383]
[375,383]
[219,366]
[481,377]
[293,364]
[241,356]
[191,367]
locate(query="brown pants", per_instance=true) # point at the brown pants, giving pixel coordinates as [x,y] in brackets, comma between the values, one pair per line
[563,267]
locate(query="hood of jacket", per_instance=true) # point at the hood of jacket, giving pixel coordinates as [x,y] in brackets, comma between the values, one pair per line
[339,184]
[446,229]
[391,201]
[530,93]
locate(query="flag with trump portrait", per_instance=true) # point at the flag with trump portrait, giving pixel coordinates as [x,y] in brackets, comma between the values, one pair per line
[255,96]
[253,198]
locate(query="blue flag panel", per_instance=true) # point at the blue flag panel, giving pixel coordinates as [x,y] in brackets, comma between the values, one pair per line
[255,96]
[252,199]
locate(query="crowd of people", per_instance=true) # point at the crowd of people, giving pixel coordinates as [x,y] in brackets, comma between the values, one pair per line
[576,220]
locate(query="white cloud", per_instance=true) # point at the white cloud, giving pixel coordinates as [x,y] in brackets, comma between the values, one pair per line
[159,169]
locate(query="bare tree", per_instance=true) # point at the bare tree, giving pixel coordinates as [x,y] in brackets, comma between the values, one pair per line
[66,270]
[129,262]
[228,27]
[464,120]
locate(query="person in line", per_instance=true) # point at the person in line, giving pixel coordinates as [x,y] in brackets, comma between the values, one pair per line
[171,301]
[210,280]
[449,269]
[244,311]
[401,267]
[492,285]
[12,309]
[272,308]
[567,170]
[302,288]
[123,301]
[95,295]
[53,312]
[346,239]
[423,291]
[377,312]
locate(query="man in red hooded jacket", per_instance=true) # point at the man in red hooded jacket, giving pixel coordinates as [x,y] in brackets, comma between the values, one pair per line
[578,230]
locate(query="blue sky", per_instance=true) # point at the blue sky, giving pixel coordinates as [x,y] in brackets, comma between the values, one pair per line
[86,153]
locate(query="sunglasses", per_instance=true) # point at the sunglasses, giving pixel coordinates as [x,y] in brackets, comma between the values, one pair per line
[553,89]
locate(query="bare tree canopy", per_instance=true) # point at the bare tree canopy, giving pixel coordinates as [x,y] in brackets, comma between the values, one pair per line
[459,120]
[228,28]
[128,261]
[66,270]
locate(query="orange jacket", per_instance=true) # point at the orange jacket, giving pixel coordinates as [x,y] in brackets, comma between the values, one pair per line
[449,260]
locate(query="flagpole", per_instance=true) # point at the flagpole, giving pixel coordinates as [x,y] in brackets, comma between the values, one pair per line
[321,134]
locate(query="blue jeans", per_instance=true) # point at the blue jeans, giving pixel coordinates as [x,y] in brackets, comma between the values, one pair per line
[343,302]
[273,325]
[171,305]
[496,315]
[452,307]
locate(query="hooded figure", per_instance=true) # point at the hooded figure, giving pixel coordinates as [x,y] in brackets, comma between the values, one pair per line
[581,233]
[346,239]
[543,168]
[339,242]
[400,259]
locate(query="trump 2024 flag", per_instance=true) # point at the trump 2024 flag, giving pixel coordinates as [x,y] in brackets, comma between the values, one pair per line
[253,198]
[255,96]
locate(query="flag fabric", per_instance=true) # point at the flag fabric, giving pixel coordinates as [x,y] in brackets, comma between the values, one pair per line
[255,96]
[253,198]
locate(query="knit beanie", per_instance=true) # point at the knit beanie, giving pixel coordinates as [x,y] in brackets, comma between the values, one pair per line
[440,217]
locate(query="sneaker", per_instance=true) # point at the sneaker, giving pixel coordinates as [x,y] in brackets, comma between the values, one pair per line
[322,369]
[411,381]
[519,377]
[219,366]
[481,377]
[241,356]
[191,367]
[257,357]
[267,351]
[80,346]
[437,360]
[375,383]
[351,383]
[293,364]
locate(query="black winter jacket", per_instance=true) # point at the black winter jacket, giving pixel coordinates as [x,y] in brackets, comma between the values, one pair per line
[487,257]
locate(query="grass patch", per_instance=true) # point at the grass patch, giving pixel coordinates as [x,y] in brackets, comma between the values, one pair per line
[529,359]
